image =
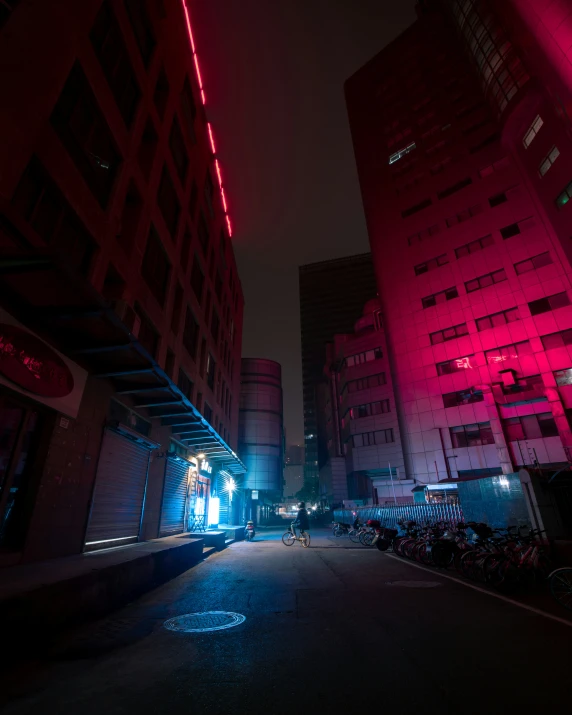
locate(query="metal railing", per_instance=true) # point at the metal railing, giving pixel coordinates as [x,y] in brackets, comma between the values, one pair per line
[390,515]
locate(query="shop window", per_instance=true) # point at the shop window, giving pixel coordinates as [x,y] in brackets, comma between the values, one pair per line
[109,46]
[473,435]
[552,302]
[161,94]
[191,334]
[142,28]
[147,148]
[42,204]
[178,150]
[83,131]
[531,264]
[168,202]
[197,280]
[495,320]
[156,268]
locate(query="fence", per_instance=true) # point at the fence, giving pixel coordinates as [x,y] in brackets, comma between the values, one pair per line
[390,515]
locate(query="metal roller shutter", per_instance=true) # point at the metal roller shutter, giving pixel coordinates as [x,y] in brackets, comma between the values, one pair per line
[175,492]
[119,493]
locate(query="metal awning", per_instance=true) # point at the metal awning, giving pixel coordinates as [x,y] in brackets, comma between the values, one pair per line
[60,305]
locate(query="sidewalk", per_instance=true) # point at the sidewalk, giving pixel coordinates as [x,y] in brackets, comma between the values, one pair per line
[40,599]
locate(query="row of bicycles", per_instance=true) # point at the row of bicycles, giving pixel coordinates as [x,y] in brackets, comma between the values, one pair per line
[508,558]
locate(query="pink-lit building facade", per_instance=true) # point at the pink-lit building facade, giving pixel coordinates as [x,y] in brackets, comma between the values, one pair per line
[359,417]
[463,141]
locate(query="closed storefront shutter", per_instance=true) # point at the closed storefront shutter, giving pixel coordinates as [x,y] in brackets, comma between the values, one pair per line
[175,493]
[119,494]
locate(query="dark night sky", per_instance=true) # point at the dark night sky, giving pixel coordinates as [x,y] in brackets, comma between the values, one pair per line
[273,72]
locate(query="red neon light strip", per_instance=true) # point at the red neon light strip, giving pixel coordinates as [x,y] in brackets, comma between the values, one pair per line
[209,127]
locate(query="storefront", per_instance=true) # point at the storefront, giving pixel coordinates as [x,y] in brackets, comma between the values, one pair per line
[180,475]
[39,388]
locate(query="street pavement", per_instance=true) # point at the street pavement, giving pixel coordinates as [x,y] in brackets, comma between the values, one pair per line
[332,628]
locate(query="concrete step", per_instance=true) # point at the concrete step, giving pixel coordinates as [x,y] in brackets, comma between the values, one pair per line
[208,550]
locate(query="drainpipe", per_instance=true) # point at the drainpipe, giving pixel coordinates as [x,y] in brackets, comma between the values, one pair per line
[503,451]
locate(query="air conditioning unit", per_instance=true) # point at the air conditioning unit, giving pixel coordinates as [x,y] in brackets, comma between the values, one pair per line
[128,316]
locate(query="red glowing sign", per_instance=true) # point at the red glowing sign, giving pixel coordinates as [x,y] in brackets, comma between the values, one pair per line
[203,99]
[463,363]
[29,363]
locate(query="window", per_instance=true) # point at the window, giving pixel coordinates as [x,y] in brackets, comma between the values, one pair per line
[185,385]
[497,319]
[85,134]
[197,280]
[178,151]
[498,199]
[441,336]
[130,217]
[548,160]
[365,383]
[168,202]
[368,439]
[543,259]
[155,268]
[191,334]
[401,153]
[369,410]
[148,335]
[177,308]
[208,413]
[161,94]
[414,209]
[498,356]
[495,166]
[532,131]
[43,206]
[476,245]
[189,110]
[563,377]
[193,200]
[147,148]
[142,28]
[557,340]
[543,305]
[456,187]
[464,215]
[211,367]
[431,265]
[495,136]
[485,281]
[423,235]
[530,427]
[463,397]
[203,231]
[215,326]
[367,356]
[472,435]
[209,194]
[563,198]
[438,298]
[456,365]
[514,229]
[109,47]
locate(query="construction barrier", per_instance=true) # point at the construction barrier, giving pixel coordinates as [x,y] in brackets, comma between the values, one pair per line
[390,515]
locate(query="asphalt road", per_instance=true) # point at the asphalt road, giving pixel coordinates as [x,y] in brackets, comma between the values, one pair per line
[328,630]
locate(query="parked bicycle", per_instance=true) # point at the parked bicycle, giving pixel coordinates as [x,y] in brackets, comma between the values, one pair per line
[560,584]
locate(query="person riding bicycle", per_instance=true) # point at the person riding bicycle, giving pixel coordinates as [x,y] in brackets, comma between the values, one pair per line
[357,523]
[301,520]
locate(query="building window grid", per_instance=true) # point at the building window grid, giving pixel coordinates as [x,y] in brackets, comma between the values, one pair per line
[476,245]
[423,235]
[548,160]
[455,365]
[370,409]
[464,215]
[364,383]
[531,264]
[486,280]
[557,340]
[532,131]
[430,300]
[363,357]
[431,264]
[495,320]
[442,336]
[551,302]
[462,397]
[534,426]
[370,439]
[473,435]
[505,353]
[401,153]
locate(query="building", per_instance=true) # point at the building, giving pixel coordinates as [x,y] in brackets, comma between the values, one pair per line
[462,137]
[293,472]
[360,420]
[325,309]
[261,436]
[121,306]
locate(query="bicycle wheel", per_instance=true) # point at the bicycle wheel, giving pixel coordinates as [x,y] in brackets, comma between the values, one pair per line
[338,532]
[561,586]
[305,540]
[288,538]
[468,563]
[367,538]
[354,536]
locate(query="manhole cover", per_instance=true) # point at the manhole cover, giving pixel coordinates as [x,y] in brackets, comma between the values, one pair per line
[414,584]
[201,622]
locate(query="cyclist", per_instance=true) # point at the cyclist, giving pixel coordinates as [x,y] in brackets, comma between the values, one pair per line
[302,520]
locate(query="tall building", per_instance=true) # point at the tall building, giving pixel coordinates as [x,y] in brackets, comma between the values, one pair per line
[332,295]
[261,436]
[359,417]
[121,306]
[293,471]
[463,141]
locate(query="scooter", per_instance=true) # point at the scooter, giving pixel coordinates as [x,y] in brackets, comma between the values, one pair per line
[249,532]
